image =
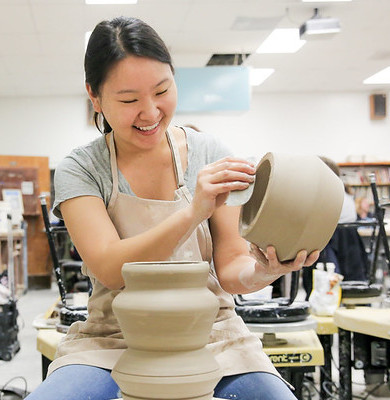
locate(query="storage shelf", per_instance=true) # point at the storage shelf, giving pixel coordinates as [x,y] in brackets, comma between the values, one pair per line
[372,164]
[366,184]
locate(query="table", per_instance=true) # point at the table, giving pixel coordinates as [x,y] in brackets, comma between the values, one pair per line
[365,320]
[47,342]
[325,330]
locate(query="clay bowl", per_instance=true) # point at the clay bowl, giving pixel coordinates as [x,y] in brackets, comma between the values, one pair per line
[295,204]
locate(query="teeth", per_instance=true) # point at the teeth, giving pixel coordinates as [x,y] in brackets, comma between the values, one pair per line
[147,128]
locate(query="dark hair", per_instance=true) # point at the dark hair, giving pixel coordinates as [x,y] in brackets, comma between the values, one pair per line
[335,168]
[331,164]
[114,40]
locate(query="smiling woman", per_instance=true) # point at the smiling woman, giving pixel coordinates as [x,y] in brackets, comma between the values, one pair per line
[146,191]
[120,41]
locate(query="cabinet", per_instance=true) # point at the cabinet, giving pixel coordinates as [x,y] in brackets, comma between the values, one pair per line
[357,177]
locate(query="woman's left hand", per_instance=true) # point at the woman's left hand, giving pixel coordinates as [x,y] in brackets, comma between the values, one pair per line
[268,267]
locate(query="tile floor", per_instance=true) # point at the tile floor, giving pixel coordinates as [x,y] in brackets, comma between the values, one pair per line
[27,363]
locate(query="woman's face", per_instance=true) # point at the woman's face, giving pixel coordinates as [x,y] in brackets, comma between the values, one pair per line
[138,99]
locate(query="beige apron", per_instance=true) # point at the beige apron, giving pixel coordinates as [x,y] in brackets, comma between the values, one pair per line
[99,341]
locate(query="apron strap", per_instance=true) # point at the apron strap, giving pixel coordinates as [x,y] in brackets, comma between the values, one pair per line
[114,171]
[176,159]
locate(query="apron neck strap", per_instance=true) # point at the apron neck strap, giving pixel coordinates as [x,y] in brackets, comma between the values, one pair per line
[176,159]
[113,163]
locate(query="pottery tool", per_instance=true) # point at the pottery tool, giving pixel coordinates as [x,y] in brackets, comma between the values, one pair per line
[240,197]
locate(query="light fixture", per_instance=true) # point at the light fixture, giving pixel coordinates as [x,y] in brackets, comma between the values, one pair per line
[111,2]
[380,78]
[282,41]
[258,75]
[318,27]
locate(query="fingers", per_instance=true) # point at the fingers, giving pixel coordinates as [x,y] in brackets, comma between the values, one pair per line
[301,259]
[258,254]
[233,163]
[313,257]
[226,175]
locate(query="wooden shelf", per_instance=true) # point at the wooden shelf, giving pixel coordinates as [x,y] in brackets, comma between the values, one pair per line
[370,164]
[357,176]
[366,184]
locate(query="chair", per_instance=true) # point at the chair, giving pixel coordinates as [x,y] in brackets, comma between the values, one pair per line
[68,313]
[359,273]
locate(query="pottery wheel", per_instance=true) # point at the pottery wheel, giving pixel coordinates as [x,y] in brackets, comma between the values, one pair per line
[308,323]
[358,289]
[269,331]
[274,313]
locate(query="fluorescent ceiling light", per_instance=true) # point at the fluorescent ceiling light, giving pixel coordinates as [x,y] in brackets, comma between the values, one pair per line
[86,38]
[381,77]
[111,1]
[259,75]
[282,41]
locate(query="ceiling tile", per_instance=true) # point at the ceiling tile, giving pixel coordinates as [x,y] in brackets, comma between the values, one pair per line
[42,41]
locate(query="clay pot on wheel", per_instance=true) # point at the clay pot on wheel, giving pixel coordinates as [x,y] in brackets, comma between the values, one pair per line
[295,204]
[166,313]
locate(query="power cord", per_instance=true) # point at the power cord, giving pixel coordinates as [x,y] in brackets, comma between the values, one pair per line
[22,396]
[373,390]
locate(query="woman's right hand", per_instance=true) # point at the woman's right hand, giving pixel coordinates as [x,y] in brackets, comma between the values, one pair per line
[215,182]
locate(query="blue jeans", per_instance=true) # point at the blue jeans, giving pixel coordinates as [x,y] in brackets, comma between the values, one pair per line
[83,382]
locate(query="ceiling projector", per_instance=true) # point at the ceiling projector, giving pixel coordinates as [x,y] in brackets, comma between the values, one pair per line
[318,27]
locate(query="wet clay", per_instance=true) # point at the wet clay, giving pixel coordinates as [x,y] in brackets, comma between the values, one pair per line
[295,204]
[166,313]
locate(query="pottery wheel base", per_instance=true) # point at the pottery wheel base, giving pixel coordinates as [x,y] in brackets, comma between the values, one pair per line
[352,302]
[214,398]
[270,340]
[208,397]
[269,331]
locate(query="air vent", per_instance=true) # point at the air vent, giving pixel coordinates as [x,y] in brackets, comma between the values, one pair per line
[227,59]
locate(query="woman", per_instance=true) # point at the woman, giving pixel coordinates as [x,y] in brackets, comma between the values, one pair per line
[363,208]
[146,191]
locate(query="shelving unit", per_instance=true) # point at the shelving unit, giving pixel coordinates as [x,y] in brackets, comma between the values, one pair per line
[19,262]
[356,176]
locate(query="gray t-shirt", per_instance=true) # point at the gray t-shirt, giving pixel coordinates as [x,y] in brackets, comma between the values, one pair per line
[86,170]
